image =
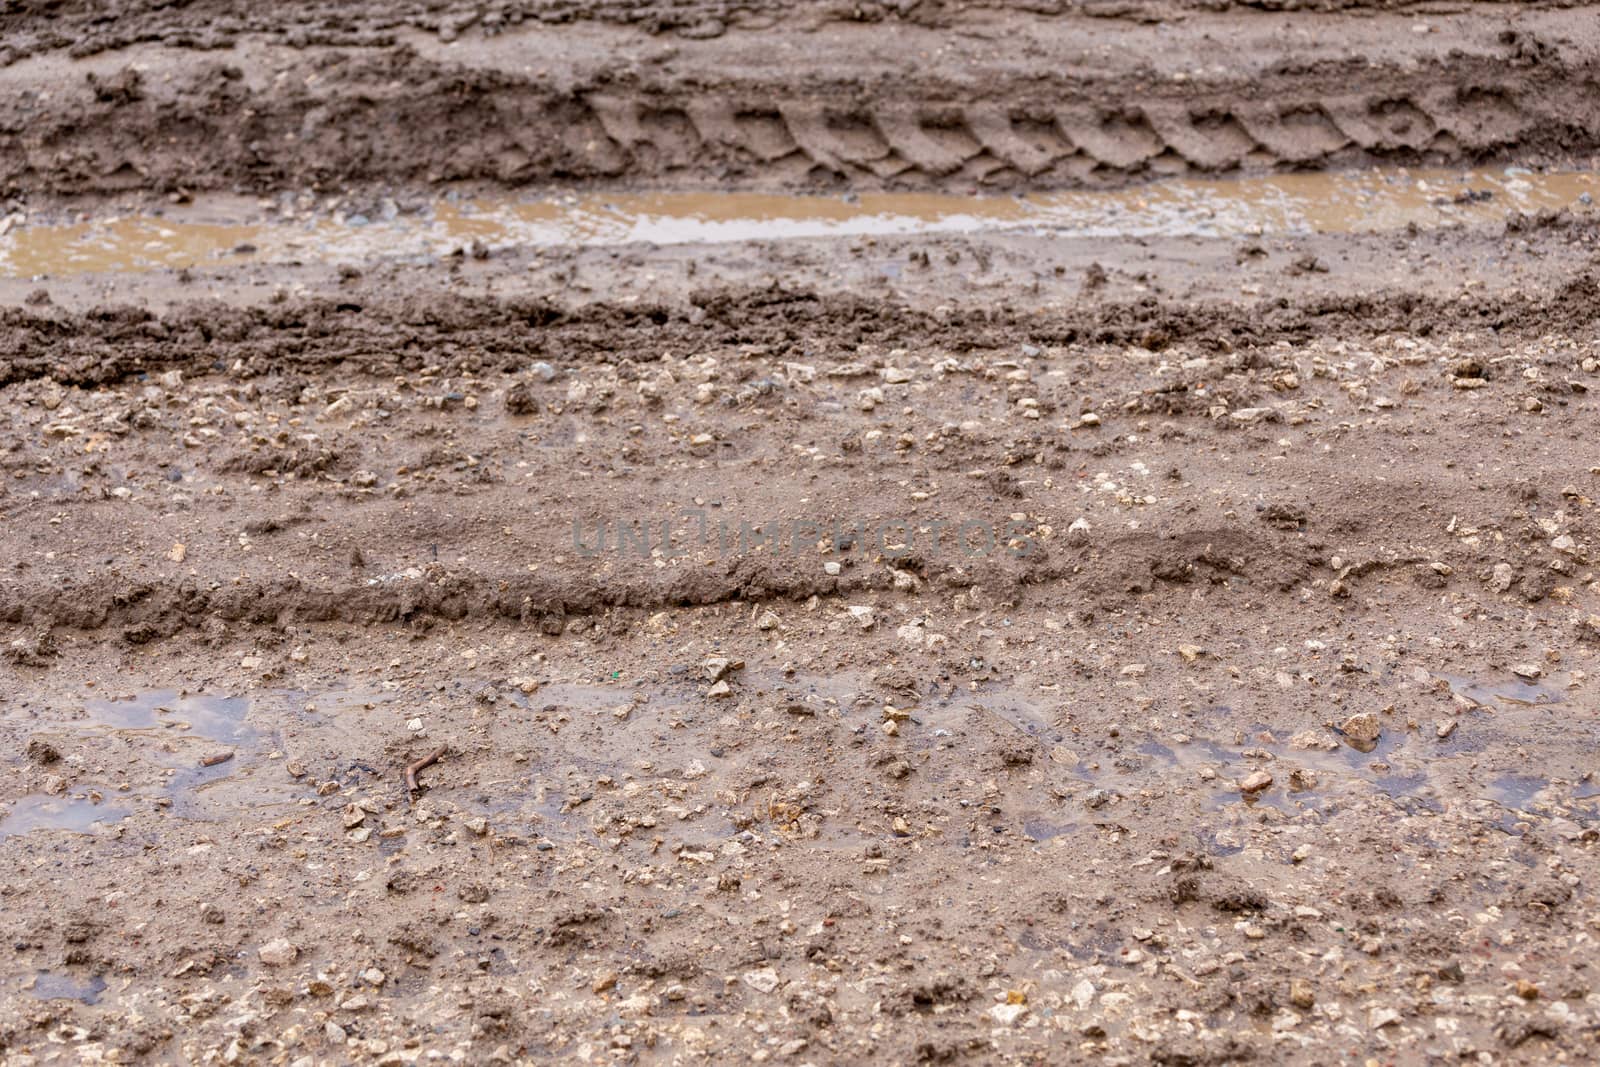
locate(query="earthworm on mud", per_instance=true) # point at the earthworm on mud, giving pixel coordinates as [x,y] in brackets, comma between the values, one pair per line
[426,761]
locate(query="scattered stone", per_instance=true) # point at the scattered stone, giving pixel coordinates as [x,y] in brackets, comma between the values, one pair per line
[1527,671]
[762,981]
[277,953]
[1362,728]
[1313,740]
[718,667]
[1444,728]
[1008,1014]
[1255,782]
[1527,990]
[1301,995]
[1378,1018]
[1504,578]
[864,616]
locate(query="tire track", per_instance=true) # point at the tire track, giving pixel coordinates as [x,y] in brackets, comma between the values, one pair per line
[288,117]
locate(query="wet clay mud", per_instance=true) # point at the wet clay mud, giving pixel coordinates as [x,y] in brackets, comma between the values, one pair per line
[688,533]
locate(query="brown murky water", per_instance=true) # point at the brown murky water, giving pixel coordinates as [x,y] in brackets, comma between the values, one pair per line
[1366,201]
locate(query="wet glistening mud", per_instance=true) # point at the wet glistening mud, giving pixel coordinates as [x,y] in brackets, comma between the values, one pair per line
[688,533]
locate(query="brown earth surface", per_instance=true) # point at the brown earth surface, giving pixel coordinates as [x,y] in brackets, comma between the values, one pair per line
[995,98]
[1033,644]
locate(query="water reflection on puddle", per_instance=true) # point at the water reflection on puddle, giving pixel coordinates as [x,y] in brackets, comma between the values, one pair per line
[1360,201]
[206,749]
[78,815]
[216,718]
[603,757]
[48,986]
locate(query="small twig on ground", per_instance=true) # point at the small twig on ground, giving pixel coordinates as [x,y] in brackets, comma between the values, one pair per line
[411,769]
[213,760]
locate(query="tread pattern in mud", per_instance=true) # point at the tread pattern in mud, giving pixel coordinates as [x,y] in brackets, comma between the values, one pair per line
[1066,145]
[215,125]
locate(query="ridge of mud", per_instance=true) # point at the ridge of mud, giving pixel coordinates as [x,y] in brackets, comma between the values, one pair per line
[261,121]
[149,610]
[145,610]
[381,335]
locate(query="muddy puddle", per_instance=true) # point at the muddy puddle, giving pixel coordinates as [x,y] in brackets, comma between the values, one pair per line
[1515,692]
[49,986]
[618,762]
[199,756]
[198,235]
[81,815]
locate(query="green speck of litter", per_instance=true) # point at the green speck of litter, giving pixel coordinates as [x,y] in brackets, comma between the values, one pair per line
[615,675]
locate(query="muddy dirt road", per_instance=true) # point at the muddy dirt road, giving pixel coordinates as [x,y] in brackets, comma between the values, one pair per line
[816,534]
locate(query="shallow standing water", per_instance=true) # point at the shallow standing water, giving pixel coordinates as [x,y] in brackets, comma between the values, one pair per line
[206,233]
